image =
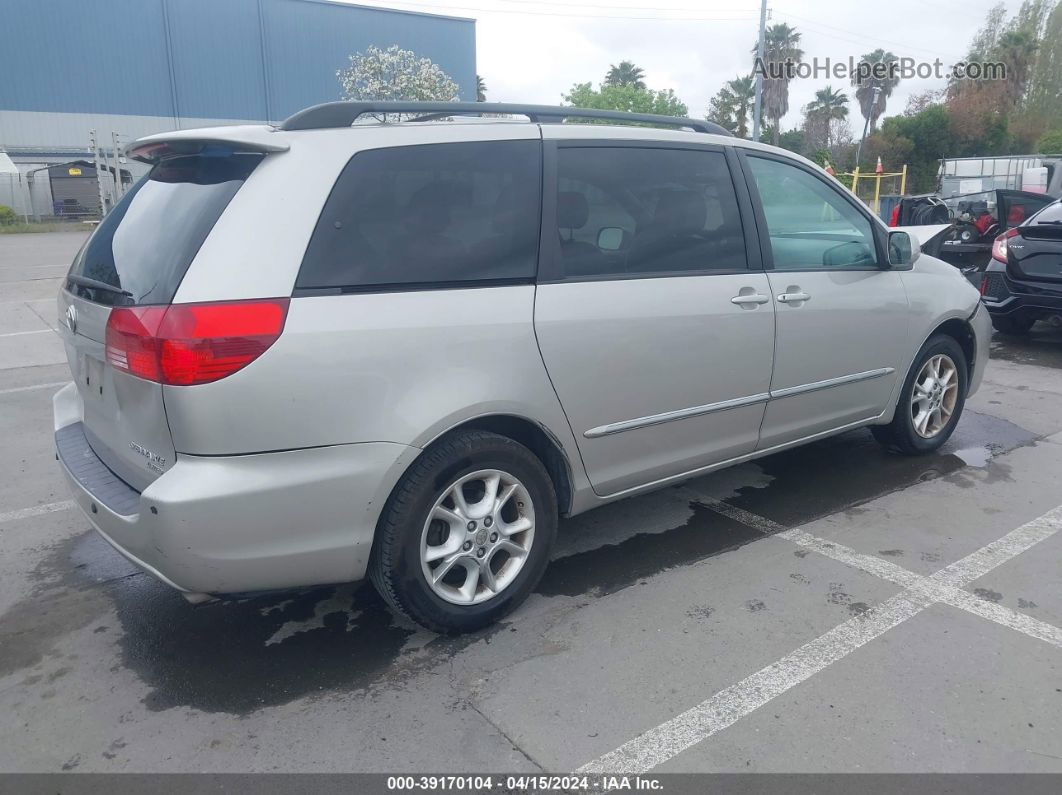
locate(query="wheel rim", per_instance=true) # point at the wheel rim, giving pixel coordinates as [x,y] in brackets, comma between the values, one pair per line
[934,395]
[477,537]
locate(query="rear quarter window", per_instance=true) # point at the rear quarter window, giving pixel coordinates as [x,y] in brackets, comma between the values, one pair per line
[146,243]
[430,215]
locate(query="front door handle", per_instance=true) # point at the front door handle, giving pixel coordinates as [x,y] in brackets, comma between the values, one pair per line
[753,298]
[794,298]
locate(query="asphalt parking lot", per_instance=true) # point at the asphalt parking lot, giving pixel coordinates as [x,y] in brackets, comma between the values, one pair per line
[831,609]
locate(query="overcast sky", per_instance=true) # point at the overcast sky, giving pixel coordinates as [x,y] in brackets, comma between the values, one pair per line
[531,51]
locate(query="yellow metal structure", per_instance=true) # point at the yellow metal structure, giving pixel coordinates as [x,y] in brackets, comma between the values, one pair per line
[857,176]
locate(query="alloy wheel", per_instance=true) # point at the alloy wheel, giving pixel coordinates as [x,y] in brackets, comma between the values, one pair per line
[933,395]
[477,537]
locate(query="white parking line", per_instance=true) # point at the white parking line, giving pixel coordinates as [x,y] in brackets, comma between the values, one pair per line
[939,586]
[15,389]
[36,510]
[663,742]
[25,333]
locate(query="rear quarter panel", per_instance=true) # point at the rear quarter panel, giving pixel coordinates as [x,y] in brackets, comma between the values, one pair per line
[384,367]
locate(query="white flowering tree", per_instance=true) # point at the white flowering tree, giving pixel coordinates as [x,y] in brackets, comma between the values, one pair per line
[395,74]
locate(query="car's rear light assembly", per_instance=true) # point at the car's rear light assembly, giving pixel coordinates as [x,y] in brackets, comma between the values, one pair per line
[188,344]
[999,245]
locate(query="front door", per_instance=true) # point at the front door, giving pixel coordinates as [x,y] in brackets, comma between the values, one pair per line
[841,314]
[656,333]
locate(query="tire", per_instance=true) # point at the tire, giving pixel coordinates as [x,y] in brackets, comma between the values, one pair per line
[1012,325]
[903,434]
[406,538]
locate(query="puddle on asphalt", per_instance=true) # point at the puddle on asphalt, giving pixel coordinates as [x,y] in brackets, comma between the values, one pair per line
[838,473]
[238,656]
[1042,347]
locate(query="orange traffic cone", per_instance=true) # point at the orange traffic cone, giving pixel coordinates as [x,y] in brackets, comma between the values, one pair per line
[829,169]
[878,168]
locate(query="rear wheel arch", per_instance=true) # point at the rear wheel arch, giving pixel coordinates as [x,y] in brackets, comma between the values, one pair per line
[539,441]
[531,434]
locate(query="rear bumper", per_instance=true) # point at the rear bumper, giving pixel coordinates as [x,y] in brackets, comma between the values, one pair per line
[230,524]
[1008,298]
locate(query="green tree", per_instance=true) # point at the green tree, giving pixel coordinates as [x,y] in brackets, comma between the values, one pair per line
[827,107]
[781,47]
[920,140]
[865,86]
[732,106]
[793,140]
[626,98]
[481,90]
[1050,143]
[1045,85]
[625,74]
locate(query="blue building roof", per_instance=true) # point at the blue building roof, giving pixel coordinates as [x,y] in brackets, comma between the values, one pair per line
[206,59]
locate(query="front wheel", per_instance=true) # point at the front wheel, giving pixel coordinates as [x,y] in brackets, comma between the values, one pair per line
[931,400]
[467,533]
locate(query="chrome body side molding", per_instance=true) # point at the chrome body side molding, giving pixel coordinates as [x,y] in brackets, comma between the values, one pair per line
[723,405]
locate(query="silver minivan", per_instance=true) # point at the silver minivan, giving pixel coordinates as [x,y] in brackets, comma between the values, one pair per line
[400,341]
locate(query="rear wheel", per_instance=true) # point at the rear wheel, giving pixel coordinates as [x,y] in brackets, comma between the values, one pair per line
[1012,325]
[931,400]
[467,533]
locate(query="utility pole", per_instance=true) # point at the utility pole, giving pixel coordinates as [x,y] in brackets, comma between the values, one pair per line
[758,105]
[118,187]
[99,176]
[866,124]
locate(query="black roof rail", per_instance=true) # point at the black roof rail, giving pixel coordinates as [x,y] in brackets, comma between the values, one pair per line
[344,114]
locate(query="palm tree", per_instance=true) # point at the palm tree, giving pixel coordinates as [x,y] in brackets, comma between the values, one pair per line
[865,87]
[827,107]
[1017,49]
[626,74]
[780,45]
[481,90]
[742,95]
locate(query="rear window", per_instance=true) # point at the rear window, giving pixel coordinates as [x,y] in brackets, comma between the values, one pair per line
[1050,215]
[430,215]
[146,243]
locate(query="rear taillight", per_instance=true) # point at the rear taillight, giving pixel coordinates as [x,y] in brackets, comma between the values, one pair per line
[187,344]
[999,245]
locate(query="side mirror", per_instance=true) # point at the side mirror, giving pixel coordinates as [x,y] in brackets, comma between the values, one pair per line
[904,248]
[610,238]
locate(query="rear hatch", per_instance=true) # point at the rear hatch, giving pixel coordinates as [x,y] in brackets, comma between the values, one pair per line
[1035,254]
[130,268]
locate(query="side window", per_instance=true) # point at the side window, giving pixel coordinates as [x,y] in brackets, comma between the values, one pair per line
[811,225]
[627,211]
[422,215]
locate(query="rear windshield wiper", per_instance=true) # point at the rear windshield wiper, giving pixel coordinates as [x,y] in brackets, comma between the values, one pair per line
[85,281]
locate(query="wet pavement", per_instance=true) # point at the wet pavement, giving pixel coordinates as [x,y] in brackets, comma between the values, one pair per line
[650,606]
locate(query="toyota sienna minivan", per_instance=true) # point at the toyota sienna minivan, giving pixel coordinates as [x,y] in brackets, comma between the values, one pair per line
[395,341]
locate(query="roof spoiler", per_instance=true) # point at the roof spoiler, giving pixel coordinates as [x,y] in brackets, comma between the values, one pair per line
[344,114]
[153,148]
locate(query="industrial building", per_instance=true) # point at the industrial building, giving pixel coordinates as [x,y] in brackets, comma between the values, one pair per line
[128,68]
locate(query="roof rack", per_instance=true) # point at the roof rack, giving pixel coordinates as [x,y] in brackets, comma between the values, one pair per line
[344,114]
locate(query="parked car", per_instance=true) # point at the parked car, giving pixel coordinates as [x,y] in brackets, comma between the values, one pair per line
[1023,282]
[403,350]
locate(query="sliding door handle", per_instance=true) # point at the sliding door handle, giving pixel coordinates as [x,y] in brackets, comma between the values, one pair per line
[793,298]
[754,298]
